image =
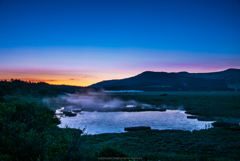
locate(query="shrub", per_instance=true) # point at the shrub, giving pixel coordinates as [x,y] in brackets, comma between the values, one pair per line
[234,107]
[46,92]
[2,93]
[28,131]
[108,151]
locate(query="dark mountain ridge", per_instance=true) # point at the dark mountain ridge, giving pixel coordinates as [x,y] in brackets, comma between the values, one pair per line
[163,81]
[231,76]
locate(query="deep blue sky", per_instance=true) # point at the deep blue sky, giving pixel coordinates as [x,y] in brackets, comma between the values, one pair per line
[134,35]
[190,25]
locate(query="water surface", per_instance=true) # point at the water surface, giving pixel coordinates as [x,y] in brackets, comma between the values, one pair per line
[114,122]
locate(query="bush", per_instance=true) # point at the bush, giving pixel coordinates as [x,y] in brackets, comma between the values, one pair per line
[2,99]
[234,107]
[46,92]
[5,87]
[108,151]
[35,115]
[28,131]
[2,93]
[43,91]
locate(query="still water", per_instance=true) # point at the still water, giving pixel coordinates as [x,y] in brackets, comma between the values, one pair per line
[114,122]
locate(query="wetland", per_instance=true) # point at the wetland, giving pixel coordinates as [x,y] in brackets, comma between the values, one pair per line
[219,143]
[30,130]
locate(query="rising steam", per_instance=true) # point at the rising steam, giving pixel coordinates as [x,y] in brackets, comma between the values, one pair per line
[94,101]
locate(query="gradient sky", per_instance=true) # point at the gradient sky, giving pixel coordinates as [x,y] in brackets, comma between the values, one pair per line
[84,42]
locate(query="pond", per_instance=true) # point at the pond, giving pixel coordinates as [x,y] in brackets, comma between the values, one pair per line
[114,122]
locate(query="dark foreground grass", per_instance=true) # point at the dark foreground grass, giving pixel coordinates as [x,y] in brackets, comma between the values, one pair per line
[212,144]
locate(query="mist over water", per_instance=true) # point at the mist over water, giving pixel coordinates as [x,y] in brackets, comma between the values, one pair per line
[96,101]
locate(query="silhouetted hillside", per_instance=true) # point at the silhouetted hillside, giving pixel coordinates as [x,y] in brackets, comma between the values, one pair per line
[162,81]
[229,75]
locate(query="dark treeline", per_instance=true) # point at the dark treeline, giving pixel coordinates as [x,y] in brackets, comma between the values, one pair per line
[18,87]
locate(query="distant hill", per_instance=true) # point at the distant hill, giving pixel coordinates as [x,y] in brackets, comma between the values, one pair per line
[231,76]
[182,81]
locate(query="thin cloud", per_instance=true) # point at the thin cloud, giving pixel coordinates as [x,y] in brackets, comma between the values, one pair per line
[51,80]
[86,76]
[73,79]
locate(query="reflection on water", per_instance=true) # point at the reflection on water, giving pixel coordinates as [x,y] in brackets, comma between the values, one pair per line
[111,122]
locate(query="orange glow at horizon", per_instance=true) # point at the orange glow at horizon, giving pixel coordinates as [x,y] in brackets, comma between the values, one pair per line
[61,78]
[82,83]
[58,77]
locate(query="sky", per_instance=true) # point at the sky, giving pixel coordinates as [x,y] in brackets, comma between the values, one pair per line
[78,42]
